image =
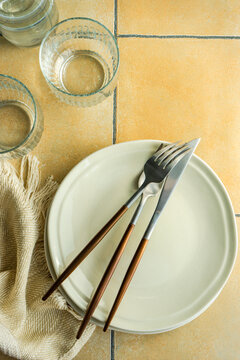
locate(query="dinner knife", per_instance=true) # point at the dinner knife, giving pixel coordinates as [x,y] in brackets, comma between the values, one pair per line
[168,187]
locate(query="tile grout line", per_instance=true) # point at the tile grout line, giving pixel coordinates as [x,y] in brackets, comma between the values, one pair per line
[115,18]
[204,37]
[114,130]
[114,137]
[112,345]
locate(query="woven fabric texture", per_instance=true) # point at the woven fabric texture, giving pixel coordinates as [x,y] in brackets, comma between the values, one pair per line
[29,327]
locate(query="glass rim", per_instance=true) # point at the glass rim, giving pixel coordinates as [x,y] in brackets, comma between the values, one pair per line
[66,92]
[23,18]
[34,120]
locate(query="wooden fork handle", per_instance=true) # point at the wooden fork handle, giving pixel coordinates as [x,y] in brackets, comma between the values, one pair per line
[105,279]
[86,250]
[126,281]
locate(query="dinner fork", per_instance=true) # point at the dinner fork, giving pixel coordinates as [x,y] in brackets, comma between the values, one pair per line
[167,189]
[154,172]
[165,161]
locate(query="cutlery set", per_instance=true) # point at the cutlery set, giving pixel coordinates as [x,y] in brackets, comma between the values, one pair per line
[161,172]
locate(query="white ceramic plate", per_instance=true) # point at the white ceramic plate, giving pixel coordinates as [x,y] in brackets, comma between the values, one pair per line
[188,259]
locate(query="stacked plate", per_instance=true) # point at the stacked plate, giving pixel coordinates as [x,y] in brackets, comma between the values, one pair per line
[188,259]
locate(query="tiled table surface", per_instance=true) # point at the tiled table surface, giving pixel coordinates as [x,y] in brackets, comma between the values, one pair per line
[179,78]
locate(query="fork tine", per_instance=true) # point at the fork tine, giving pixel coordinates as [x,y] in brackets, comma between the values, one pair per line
[163,150]
[160,147]
[169,153]
[176,158]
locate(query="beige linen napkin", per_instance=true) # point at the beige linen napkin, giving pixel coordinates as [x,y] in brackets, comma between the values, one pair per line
[29,327]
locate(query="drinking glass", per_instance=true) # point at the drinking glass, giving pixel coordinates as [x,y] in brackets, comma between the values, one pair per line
[21,120]
[79,59]
[26,22]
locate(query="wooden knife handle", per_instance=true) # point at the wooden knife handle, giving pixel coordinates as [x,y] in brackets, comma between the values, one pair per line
[105,279]
[86,250]
[126,281]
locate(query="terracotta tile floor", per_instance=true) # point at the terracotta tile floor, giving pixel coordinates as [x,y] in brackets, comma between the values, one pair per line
[179,78]
[195,17]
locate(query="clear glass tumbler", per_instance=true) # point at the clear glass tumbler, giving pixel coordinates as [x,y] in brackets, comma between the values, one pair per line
[26,22]
[21,120]
[79,59]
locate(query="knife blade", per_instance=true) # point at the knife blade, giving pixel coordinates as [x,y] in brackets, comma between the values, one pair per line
[169,185]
